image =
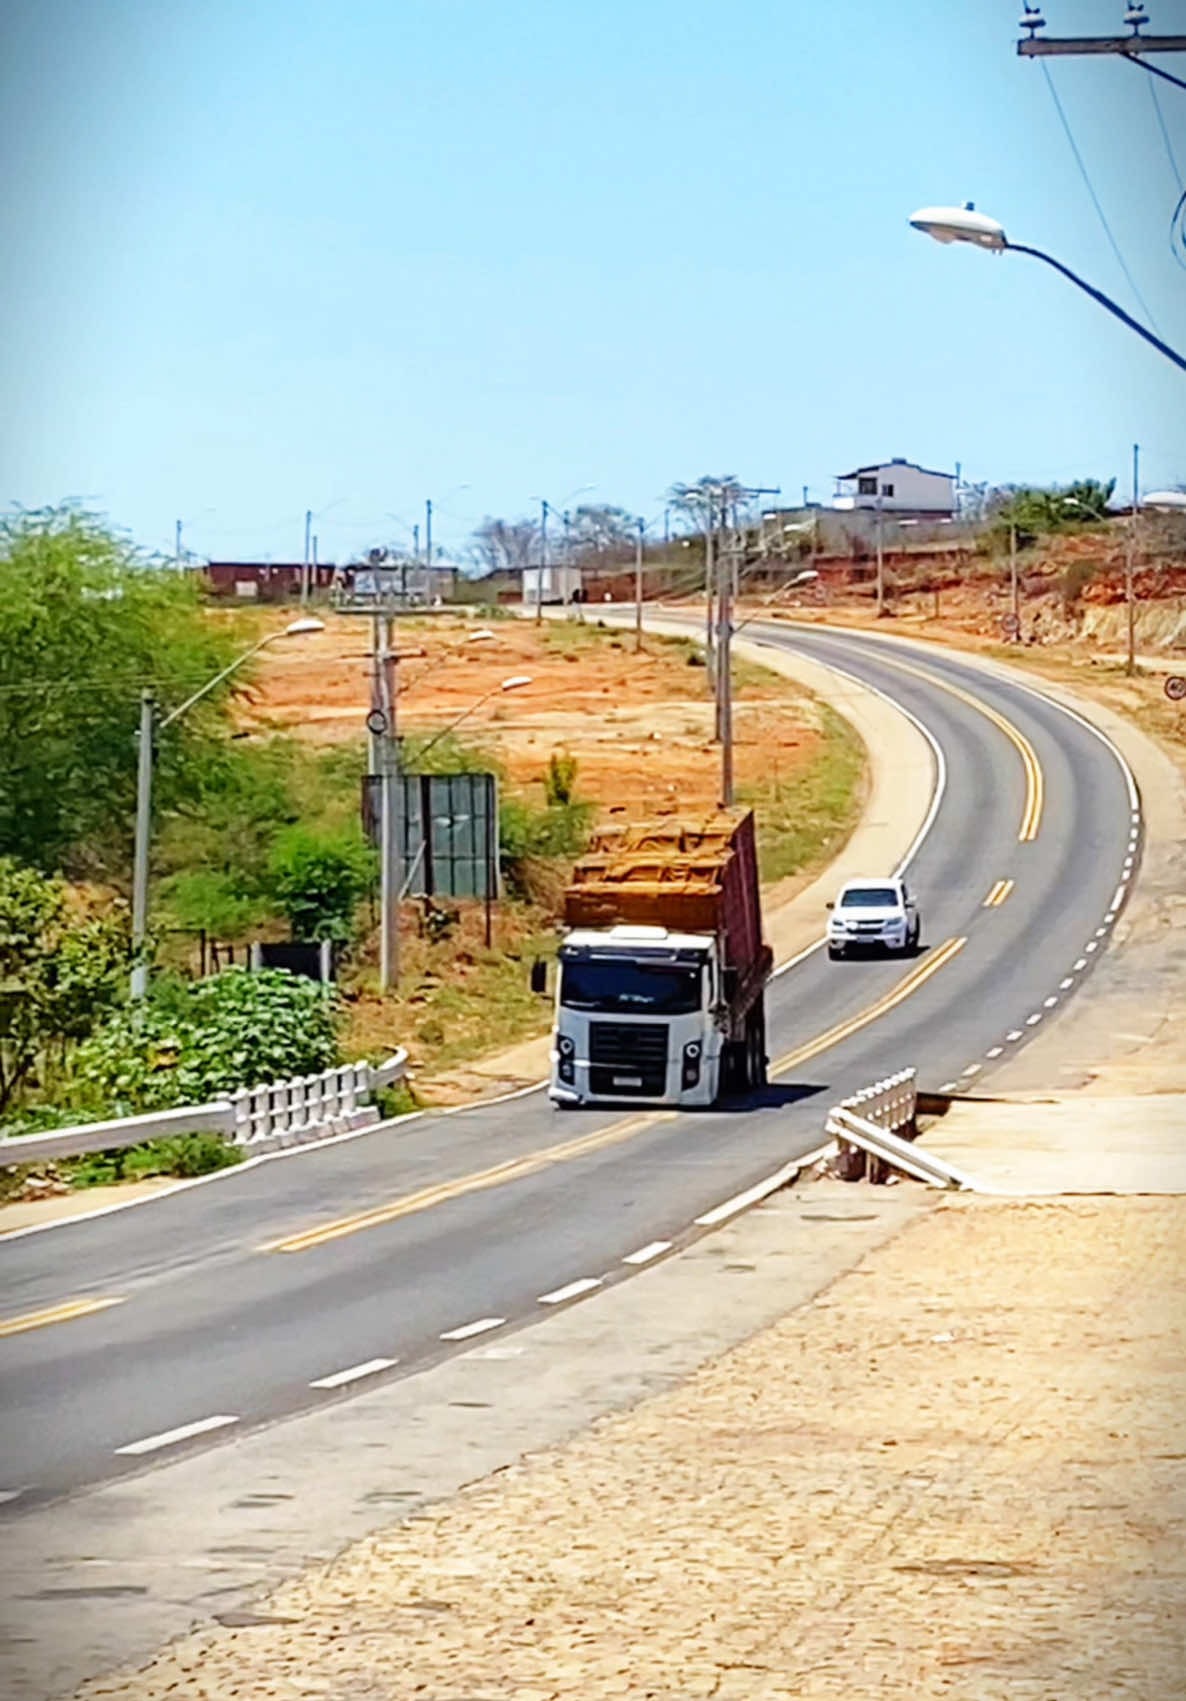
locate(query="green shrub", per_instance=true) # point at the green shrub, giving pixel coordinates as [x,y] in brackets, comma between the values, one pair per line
[318,881]
[177,1154]
[192,1043]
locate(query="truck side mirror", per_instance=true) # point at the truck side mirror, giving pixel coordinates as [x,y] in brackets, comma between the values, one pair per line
[539,976]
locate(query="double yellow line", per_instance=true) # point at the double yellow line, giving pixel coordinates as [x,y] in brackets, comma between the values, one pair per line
[936,960]
[997,895]
[1035,784]
[66,1312]
[513,1170]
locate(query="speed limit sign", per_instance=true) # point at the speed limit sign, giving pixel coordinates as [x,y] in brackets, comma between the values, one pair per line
[1175,687]
[1010,625]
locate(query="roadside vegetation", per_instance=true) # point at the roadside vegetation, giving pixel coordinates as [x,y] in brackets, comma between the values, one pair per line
[258,835]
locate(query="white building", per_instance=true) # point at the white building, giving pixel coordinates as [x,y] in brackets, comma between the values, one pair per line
[897,487]
[559,582]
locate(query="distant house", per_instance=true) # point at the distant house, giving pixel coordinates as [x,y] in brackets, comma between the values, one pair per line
[896,487]
[264,581]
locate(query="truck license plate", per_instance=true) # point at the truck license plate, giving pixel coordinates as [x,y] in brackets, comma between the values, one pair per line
[627,1080]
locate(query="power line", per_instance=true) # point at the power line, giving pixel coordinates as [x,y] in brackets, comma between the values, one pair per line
[1177,220]
[1096,200]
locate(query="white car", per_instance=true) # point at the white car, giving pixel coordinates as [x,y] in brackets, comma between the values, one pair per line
[873,913]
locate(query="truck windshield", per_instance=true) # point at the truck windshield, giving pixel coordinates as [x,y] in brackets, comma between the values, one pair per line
[662,990]
[869,898]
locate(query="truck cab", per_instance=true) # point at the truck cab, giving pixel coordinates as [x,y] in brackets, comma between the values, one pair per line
[635,1017]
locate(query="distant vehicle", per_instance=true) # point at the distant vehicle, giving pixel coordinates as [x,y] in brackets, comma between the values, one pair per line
[878,913]
[661,986]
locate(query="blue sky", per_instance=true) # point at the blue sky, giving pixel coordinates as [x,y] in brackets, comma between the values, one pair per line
[268,256]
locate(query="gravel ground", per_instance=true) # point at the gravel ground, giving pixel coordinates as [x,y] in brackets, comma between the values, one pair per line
[957,1472]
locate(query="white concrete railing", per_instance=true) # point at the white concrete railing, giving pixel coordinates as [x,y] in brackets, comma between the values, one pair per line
[263,1118]
[870,1121]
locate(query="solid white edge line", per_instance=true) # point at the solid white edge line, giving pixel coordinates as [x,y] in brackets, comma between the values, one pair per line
[583,1284]
[7,1494]
[645,1253]
[760,1189]
[468,1329]
[356,1372]
[170,1437]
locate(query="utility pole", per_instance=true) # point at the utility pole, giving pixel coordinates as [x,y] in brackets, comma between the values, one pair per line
[1014,589]
[880,563]
[642,526]
[728,567]
[314,558]
[1130,47]
[428,550]
[389,824]
[143,834]
[543,561]
[1130,562]
[305,565]
[710,652]
[177,548]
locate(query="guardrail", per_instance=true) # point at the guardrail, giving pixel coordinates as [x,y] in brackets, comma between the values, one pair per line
[275,1114]
[869,1122]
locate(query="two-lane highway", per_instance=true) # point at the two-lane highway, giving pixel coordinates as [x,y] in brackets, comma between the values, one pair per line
[127,1337]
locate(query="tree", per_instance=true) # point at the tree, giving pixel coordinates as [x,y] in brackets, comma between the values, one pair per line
[1034,511]
[600,527]
[501,545]
[60,975]
[85,623]
[705,495]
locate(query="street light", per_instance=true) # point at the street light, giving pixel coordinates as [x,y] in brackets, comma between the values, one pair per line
[965,224]
[295,629]
[514,683]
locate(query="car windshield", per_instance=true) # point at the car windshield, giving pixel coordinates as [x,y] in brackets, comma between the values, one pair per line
[869,898]
[663,990]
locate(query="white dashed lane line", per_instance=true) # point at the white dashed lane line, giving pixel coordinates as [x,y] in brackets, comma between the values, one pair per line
[171,1437]
[356,1372]
[1013,1035]
[1036,1017]
[995,1052]
[1064,984]
[478,1328]
[1049,1003]
[1080,965]
[583,1284]
[646,1253]
[973,1069]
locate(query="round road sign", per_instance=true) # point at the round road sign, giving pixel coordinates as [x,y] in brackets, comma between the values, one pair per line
[377,723]
[1010,625]
[1175,687]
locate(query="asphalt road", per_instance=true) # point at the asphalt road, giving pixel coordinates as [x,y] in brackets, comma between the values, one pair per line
[218,1308]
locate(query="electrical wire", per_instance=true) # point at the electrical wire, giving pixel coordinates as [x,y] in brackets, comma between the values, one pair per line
[1178,216]
[1095,200]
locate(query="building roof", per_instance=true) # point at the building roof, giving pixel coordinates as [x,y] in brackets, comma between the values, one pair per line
[881,466]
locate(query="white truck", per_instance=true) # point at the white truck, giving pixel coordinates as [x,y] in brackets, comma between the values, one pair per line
[660,995]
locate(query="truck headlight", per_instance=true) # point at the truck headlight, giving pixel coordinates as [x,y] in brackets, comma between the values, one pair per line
[565,1046]
[690,1073]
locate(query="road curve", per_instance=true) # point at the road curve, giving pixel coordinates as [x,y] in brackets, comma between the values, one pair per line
[130,1338]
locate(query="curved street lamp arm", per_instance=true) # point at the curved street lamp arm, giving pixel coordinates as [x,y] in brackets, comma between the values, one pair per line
[1104,301]
[182,708]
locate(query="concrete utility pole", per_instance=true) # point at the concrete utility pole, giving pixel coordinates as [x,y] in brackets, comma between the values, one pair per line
[728,561]
[428,549]
[1013,585]
[1130,563]
[305,565]
[177,548]
[143,834]
[543,561]
[642,526]
[880,558]
[389,826]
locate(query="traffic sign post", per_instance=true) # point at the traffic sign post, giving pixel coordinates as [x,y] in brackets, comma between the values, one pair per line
[1175,687]
[1011,625]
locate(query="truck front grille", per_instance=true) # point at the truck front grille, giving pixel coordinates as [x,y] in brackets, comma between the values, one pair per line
[628,1059]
